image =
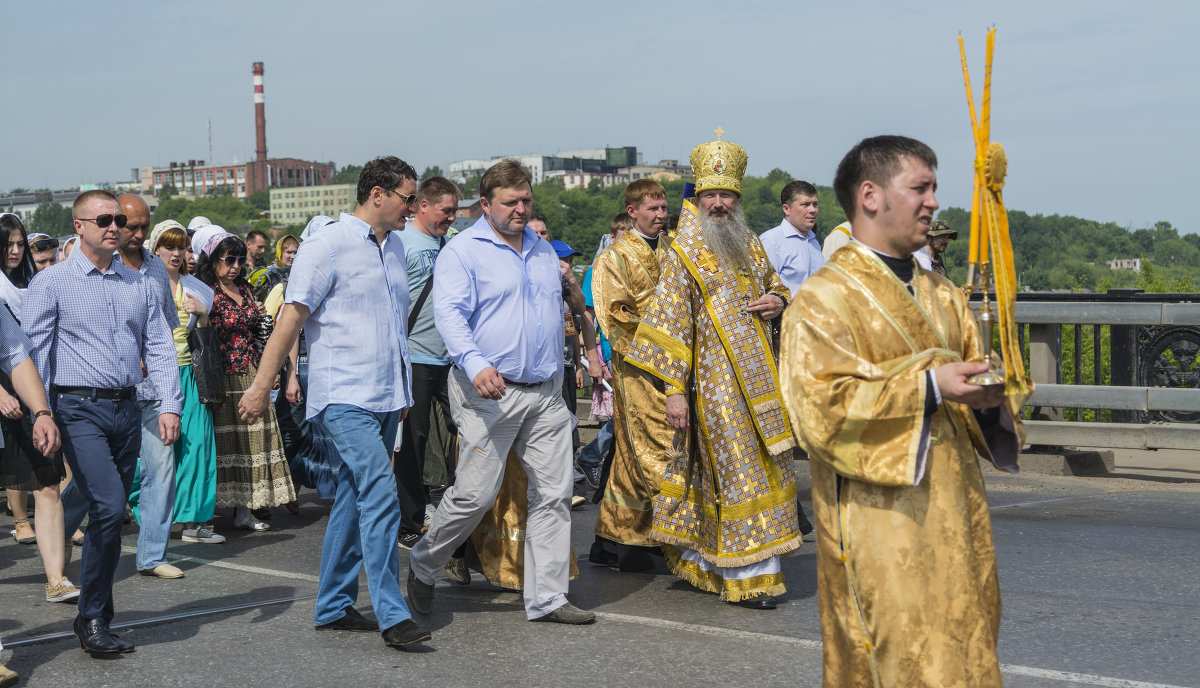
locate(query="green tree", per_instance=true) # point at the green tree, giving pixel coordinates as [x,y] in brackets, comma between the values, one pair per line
[51,218]
[167,191]
[347,175]
[260,199]
[432,171]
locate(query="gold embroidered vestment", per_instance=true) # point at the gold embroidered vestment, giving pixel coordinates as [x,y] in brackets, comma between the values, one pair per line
[696,337]
[907,582]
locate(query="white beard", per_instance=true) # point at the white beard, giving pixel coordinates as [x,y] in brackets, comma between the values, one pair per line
[729,239]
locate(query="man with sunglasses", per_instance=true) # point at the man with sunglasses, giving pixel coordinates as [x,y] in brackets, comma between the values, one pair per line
[348,289]
[156,469]
[44,250]
[93,321]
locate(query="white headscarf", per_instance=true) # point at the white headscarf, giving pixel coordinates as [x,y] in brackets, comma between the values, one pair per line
[202,235]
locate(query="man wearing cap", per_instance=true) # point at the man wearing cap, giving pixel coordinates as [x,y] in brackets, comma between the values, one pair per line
[624,278]
[940,236]
[792,247]
[726,510]
[497,305]
[93,321]
[156,464]
[574,313]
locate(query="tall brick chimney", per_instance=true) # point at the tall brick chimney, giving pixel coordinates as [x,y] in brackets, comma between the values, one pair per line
[260,114]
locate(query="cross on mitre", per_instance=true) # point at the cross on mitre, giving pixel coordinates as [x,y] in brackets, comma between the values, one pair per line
[719,132]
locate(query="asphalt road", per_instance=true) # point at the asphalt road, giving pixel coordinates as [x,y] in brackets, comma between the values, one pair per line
[1100,577]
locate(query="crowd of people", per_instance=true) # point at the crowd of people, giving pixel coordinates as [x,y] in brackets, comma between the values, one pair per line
[427,385]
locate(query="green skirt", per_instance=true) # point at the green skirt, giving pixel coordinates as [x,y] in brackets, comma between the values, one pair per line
[195,459]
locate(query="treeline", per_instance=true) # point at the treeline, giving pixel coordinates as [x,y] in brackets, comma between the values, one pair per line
[1050,251]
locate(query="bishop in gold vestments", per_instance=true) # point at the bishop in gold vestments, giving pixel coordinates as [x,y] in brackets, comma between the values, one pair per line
[726,507]
[906,568]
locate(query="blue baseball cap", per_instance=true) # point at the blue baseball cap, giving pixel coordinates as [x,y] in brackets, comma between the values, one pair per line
[563,250]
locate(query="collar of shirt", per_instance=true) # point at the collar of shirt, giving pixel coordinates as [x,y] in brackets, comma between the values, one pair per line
[482,231]
[791,231]
[84,266]
[361,228]
[146,256]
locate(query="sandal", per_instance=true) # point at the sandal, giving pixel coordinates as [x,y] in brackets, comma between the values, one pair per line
[28,540]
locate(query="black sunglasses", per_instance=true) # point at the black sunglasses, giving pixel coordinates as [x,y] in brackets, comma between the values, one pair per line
[407,199]
[234,260]
[105,220]
[43,244]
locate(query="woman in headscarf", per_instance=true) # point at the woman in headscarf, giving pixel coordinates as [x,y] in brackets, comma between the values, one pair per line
[196,449]
[23,468]
[277,272]
[252,471]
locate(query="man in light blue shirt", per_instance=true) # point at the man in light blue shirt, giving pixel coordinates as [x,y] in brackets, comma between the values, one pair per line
[437,206]
[348,291]
[498,305]
[792,247]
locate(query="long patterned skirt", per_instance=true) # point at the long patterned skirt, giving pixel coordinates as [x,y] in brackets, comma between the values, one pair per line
[252,469]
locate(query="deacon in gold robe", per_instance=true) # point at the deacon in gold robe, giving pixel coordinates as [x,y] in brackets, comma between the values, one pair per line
[623,281]
[875,359]
[726,510]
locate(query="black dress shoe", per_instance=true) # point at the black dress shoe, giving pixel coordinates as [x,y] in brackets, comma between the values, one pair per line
[404,633]
[94,636]
[758,602]
[420,595]
[350,621]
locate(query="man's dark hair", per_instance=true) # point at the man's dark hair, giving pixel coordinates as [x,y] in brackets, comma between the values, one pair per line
[878,160]
[509,173]
[205,270]
[540,216]
[255,233]
[794,189]
[388,173]
[434,188]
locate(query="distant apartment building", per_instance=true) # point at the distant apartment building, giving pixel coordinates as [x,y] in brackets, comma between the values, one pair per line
[665,170]
[25,203]
[196,178]
[575,167]
[299,204]
[1134,264]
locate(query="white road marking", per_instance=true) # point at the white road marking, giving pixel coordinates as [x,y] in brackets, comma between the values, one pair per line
[236,567]
[1038,501]
[496,598]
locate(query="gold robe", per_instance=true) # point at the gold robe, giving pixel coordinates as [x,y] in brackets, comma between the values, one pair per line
[624,278]
[696,337]
[907,585]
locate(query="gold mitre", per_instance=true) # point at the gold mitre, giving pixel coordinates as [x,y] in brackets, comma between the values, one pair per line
[719,165]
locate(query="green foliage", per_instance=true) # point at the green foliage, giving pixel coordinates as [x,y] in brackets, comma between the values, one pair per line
[167,191]
[51,218]
[227,211]
[347,175]
[260,199]
[432,171]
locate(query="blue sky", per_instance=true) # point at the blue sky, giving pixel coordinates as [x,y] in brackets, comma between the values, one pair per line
[1096,103]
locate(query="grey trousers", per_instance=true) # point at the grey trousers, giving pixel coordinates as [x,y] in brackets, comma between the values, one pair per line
[534,422]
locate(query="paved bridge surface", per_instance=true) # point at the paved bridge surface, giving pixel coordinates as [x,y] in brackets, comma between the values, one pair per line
[1099,576]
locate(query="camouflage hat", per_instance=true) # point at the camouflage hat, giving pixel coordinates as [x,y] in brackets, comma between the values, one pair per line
[939,227]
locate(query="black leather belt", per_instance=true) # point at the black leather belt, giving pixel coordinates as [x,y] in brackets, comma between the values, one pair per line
[114,393]
[514,383]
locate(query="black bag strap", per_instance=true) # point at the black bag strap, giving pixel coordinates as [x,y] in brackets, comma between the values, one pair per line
[416,310]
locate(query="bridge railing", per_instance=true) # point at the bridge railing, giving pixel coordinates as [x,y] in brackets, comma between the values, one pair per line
[1116,370]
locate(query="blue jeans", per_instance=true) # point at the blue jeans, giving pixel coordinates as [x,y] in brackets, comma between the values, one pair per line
[100,439]
[156,498]
[594,452]
[365,517]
